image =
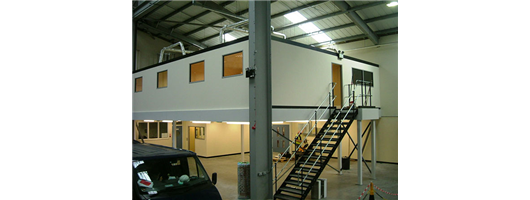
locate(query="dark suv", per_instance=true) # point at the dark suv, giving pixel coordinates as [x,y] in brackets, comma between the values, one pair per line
[161,172]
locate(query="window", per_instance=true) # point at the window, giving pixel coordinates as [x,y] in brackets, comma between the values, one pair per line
[233,64]
[153,130]
[162,79]
[138,84]
[198,131]
[362,77]
[197,72]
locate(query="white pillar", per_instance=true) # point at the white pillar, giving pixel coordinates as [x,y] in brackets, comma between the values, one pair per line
[242,143]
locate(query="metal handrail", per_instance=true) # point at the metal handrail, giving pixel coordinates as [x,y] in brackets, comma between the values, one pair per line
[305,138]
[320,141]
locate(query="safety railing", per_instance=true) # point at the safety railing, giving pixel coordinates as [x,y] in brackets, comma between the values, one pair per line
[327,143]
[313,116]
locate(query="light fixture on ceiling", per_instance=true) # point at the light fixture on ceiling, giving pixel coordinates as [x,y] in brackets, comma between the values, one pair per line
[298,121]
[392,4]
[149,120]
[168,121]
[201,122]
[278,122]
[243,123]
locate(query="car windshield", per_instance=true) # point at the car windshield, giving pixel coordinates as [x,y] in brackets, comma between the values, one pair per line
[168,174]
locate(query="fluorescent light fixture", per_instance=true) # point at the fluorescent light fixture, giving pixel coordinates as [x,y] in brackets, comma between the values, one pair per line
[295,17]
[321,37]
[278,122]
[247,123]
[168,121]
[201,122]
[229,37]
[149,120]
[298,121]
[392,4]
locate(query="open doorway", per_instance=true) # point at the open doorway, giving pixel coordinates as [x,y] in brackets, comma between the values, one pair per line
[336,77]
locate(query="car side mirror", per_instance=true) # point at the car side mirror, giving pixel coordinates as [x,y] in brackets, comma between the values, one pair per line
[214,178]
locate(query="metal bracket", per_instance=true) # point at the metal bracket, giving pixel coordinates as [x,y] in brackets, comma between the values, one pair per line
[263,173]
[250,73]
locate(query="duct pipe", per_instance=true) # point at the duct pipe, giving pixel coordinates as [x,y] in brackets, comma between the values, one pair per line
[231,26]
[170,47]
[278,33]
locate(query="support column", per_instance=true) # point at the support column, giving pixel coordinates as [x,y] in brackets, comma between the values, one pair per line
[134,36]
[373,149]
[242,143]
[174,134]
[340,157]
[359,152]
[260,103]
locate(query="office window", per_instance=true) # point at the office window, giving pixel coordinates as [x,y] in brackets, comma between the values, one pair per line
[162,79]
[197,72]
[153,130]
[138,84]
[233,64]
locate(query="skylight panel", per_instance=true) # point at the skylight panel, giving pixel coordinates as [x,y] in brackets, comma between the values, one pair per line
[309,27]
[321,37]
[295,17]
[229,37]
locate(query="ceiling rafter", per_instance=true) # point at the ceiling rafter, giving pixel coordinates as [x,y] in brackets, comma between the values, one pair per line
[343,6]
[389,31]
[151,28]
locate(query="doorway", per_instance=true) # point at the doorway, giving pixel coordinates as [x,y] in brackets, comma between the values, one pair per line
[191,138]
[178,137]
[336,77]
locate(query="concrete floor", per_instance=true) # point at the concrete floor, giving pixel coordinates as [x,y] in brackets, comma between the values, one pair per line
[343,186]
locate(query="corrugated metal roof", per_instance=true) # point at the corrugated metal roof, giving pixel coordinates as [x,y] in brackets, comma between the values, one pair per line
[209,35]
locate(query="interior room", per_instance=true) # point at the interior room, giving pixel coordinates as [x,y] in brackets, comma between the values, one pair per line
[333,88]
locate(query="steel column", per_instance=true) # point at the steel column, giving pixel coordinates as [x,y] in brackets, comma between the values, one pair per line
[174,134]
[359,152]
[260,102]
[340,157]
[373,149]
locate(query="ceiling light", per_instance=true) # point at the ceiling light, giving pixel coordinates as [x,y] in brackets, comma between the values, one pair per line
[299,121]
[279,122]
[168,121]
[295,17]
[149,120]
[247,123]
[201,122]
[392,4]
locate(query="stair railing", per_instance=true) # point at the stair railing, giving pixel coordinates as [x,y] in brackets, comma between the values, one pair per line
[329,97]
[320,141]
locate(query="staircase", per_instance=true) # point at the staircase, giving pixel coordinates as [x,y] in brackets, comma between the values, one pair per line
[310,165]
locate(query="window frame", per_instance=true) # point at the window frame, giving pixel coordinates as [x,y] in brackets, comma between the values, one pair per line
[158,79]
[158,133]
[203,70]
[136,84]
[242,64]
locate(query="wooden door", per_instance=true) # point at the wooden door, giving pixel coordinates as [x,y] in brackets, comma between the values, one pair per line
[191,139]
[336,73]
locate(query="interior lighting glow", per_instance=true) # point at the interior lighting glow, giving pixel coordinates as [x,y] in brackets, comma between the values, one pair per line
[247,123]
[201,122]
[149,120]
[168,121]
[299,121]
[278,122]
[392,4]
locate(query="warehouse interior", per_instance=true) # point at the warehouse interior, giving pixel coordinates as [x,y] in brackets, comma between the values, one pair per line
[167,31]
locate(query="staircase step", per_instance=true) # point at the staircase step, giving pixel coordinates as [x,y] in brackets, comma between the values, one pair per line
[297,176]
[306,169]
[285,197]
[291,190]
[323,145]
[310,163]
[304,184]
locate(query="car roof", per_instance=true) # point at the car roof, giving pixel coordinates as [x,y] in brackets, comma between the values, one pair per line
[149,151]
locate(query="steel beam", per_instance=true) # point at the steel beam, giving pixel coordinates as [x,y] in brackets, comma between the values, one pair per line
[260,101]
[357,20]
[359,152]
[176,11]
[373,149]
[210,5]
[145,8]
[200,15]
[357,37]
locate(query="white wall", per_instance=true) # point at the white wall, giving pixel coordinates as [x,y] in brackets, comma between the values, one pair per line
[302,77]
[215,92]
